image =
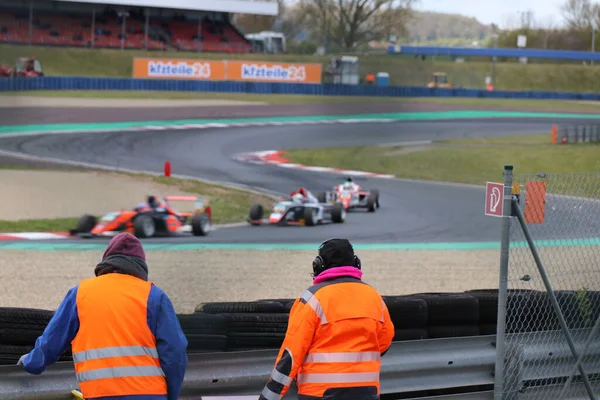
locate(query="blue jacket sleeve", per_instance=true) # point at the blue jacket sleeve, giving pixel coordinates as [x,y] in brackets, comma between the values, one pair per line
[170,340]
[57,336]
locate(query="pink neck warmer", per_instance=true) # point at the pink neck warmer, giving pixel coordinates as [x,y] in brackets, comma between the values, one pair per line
[337,273]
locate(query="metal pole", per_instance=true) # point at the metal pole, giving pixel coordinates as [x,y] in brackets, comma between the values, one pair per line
[548,285]
[200,42]
[123,33]
[494,62]
[580,359]
[93,36]
[325,35]
[503,286]
[146,28]
[593,41]
[30,22]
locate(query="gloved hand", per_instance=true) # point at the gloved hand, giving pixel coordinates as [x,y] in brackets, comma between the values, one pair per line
[20,362]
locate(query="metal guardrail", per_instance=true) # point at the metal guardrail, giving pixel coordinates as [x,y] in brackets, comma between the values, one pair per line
[88,83]
[574,55]
[412,366]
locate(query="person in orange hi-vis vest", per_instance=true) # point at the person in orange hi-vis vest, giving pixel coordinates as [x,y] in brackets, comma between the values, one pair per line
[337,332]
[125,337]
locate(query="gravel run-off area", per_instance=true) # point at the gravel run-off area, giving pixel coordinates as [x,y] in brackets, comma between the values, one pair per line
[40,279]
[38,194]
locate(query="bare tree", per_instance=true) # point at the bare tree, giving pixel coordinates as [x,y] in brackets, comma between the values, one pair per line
[527,19]
[578,13]
[547,29]
[351,23]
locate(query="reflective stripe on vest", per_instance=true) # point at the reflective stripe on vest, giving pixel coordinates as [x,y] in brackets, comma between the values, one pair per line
[314,303]
[352,377]
[117,372]
[341,357]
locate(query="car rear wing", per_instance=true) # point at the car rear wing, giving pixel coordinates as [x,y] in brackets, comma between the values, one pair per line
[200,205]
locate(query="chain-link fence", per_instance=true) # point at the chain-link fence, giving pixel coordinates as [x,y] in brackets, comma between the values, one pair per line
[578,134]
[551,337]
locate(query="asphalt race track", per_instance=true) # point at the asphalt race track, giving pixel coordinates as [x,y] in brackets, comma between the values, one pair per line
[411,212]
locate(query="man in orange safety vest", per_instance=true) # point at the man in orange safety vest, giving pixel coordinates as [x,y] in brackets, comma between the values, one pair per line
[337,332]
[126,339]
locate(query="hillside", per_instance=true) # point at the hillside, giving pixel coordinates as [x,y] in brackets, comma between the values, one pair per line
[445,29]
[403,71]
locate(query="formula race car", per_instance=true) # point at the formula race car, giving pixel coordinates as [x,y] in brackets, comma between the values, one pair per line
[301,208]
[153,218]
[352,196]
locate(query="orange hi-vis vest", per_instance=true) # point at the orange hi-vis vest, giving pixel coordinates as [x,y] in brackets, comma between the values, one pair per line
[114,351]
[336,335]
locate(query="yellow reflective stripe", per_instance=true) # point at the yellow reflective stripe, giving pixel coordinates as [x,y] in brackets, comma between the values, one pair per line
[314,303]
[270,395]
[281,378]
[356,377]
[364,356]
[119,372]
[108,352]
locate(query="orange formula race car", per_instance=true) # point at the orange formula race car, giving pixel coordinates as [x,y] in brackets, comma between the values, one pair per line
[150,219]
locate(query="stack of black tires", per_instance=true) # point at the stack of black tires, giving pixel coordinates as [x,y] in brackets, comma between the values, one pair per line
[262,324]
[19,329]
[246,325]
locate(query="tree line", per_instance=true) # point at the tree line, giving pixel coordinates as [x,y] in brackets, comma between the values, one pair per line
[580,18]
[343,25]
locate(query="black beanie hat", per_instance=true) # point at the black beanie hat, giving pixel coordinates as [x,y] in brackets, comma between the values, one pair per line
[337,253]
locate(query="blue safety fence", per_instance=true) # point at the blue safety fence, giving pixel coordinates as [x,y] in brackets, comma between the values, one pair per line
[89,83]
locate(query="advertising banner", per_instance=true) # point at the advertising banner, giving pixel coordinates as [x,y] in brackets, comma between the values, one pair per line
[250,71]
[273,72]
[152,68]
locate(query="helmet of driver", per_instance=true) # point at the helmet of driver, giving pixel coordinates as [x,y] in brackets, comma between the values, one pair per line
[297,198]
[152,200]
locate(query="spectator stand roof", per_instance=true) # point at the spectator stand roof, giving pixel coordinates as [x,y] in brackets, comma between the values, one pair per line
[259,7]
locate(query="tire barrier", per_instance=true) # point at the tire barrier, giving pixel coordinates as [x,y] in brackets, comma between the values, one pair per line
[262,324]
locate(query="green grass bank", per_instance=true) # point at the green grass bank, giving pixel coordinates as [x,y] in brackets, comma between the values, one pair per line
[403,71]
[471,161]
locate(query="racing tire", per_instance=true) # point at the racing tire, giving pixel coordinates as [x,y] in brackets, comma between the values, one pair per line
[256,213]
[375,193]
[200,224]
[86,223]
[338,214]
[321,197]
[238,307]
[144,226]
[309,216]
[371,203]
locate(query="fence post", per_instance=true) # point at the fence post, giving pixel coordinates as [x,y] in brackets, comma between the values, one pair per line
[503,286]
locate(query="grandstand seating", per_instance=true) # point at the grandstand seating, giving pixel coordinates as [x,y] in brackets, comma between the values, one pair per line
[76,31]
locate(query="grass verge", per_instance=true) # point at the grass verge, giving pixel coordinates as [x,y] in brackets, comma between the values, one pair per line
[471,161]
[228,205]
[38,225]
[474,103]
[403,70]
